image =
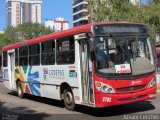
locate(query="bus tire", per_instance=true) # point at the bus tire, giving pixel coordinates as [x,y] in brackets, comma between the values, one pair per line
[19,90]
[69,100]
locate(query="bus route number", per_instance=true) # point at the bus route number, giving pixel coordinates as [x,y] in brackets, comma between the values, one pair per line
[106,99]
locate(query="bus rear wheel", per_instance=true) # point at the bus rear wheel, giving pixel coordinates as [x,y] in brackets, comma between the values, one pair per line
[19,90]
[69,100]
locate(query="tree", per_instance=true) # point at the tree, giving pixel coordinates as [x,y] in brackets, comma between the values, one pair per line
[24,31]
[110,10]
[2,40]
[28,31]
[123,10]
[152,16]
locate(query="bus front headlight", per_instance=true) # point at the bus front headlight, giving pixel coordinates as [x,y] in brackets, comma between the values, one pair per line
[152,83]
[104,88]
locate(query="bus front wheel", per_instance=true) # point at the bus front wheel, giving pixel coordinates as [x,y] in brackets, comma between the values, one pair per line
[19,90]
[69,100]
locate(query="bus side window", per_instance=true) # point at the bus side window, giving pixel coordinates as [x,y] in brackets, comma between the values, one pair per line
[4,59]
[65,51]
[16,57]
[23,56]
[34,54]
[48,53]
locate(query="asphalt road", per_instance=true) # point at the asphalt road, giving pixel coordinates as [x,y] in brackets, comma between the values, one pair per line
[36,108]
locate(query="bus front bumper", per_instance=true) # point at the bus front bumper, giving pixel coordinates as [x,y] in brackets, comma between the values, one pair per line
[105,100]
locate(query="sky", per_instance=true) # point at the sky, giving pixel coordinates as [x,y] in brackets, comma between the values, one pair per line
[51,9]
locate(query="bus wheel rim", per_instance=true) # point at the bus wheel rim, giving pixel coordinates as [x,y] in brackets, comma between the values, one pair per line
[19,90]
[69,98]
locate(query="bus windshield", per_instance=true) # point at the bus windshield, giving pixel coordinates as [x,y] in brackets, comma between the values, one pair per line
[124,54]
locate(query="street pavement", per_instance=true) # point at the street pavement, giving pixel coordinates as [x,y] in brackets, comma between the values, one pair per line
[36,108]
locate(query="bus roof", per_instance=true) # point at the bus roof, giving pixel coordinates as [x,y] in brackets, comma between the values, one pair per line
[73,31]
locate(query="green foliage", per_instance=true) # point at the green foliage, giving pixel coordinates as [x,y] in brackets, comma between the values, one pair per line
[2,40]
[28,31]
[24,31]
[123,10]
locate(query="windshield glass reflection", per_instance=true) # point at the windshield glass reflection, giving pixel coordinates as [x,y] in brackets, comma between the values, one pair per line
[124,54]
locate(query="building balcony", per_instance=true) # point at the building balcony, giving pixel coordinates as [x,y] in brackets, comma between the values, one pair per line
[80,3]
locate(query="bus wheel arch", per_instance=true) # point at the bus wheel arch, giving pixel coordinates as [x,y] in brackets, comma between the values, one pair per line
[64,86]
[67,96]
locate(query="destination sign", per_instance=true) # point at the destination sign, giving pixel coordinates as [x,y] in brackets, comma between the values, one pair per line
[120,28]
[123,68]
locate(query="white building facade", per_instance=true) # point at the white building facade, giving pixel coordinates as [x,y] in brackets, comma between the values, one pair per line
[23,11]
[58,24]
[80,12]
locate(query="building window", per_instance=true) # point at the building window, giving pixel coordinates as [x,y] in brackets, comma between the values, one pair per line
[23,56]
[80,15]
[75,2]
[80,7]
[9,4]
[48,53]
[34,54]
[75,24]
[65,51]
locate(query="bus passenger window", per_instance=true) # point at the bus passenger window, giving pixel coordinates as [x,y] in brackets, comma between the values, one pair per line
[16,57]
[48,53]
[34,54]
[65,51]
[4,59]
[23,56]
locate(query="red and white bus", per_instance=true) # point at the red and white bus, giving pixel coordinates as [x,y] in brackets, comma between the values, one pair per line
[97,65]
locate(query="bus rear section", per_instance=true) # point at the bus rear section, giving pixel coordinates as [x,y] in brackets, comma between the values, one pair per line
[8,69]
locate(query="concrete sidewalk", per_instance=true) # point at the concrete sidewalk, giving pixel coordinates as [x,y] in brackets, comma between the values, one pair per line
[158,87]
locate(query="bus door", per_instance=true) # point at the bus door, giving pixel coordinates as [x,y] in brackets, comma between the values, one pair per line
[86,73]
[11,68]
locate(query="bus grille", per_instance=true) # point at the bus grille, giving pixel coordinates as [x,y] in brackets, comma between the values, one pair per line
[130,89]
[133,98]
